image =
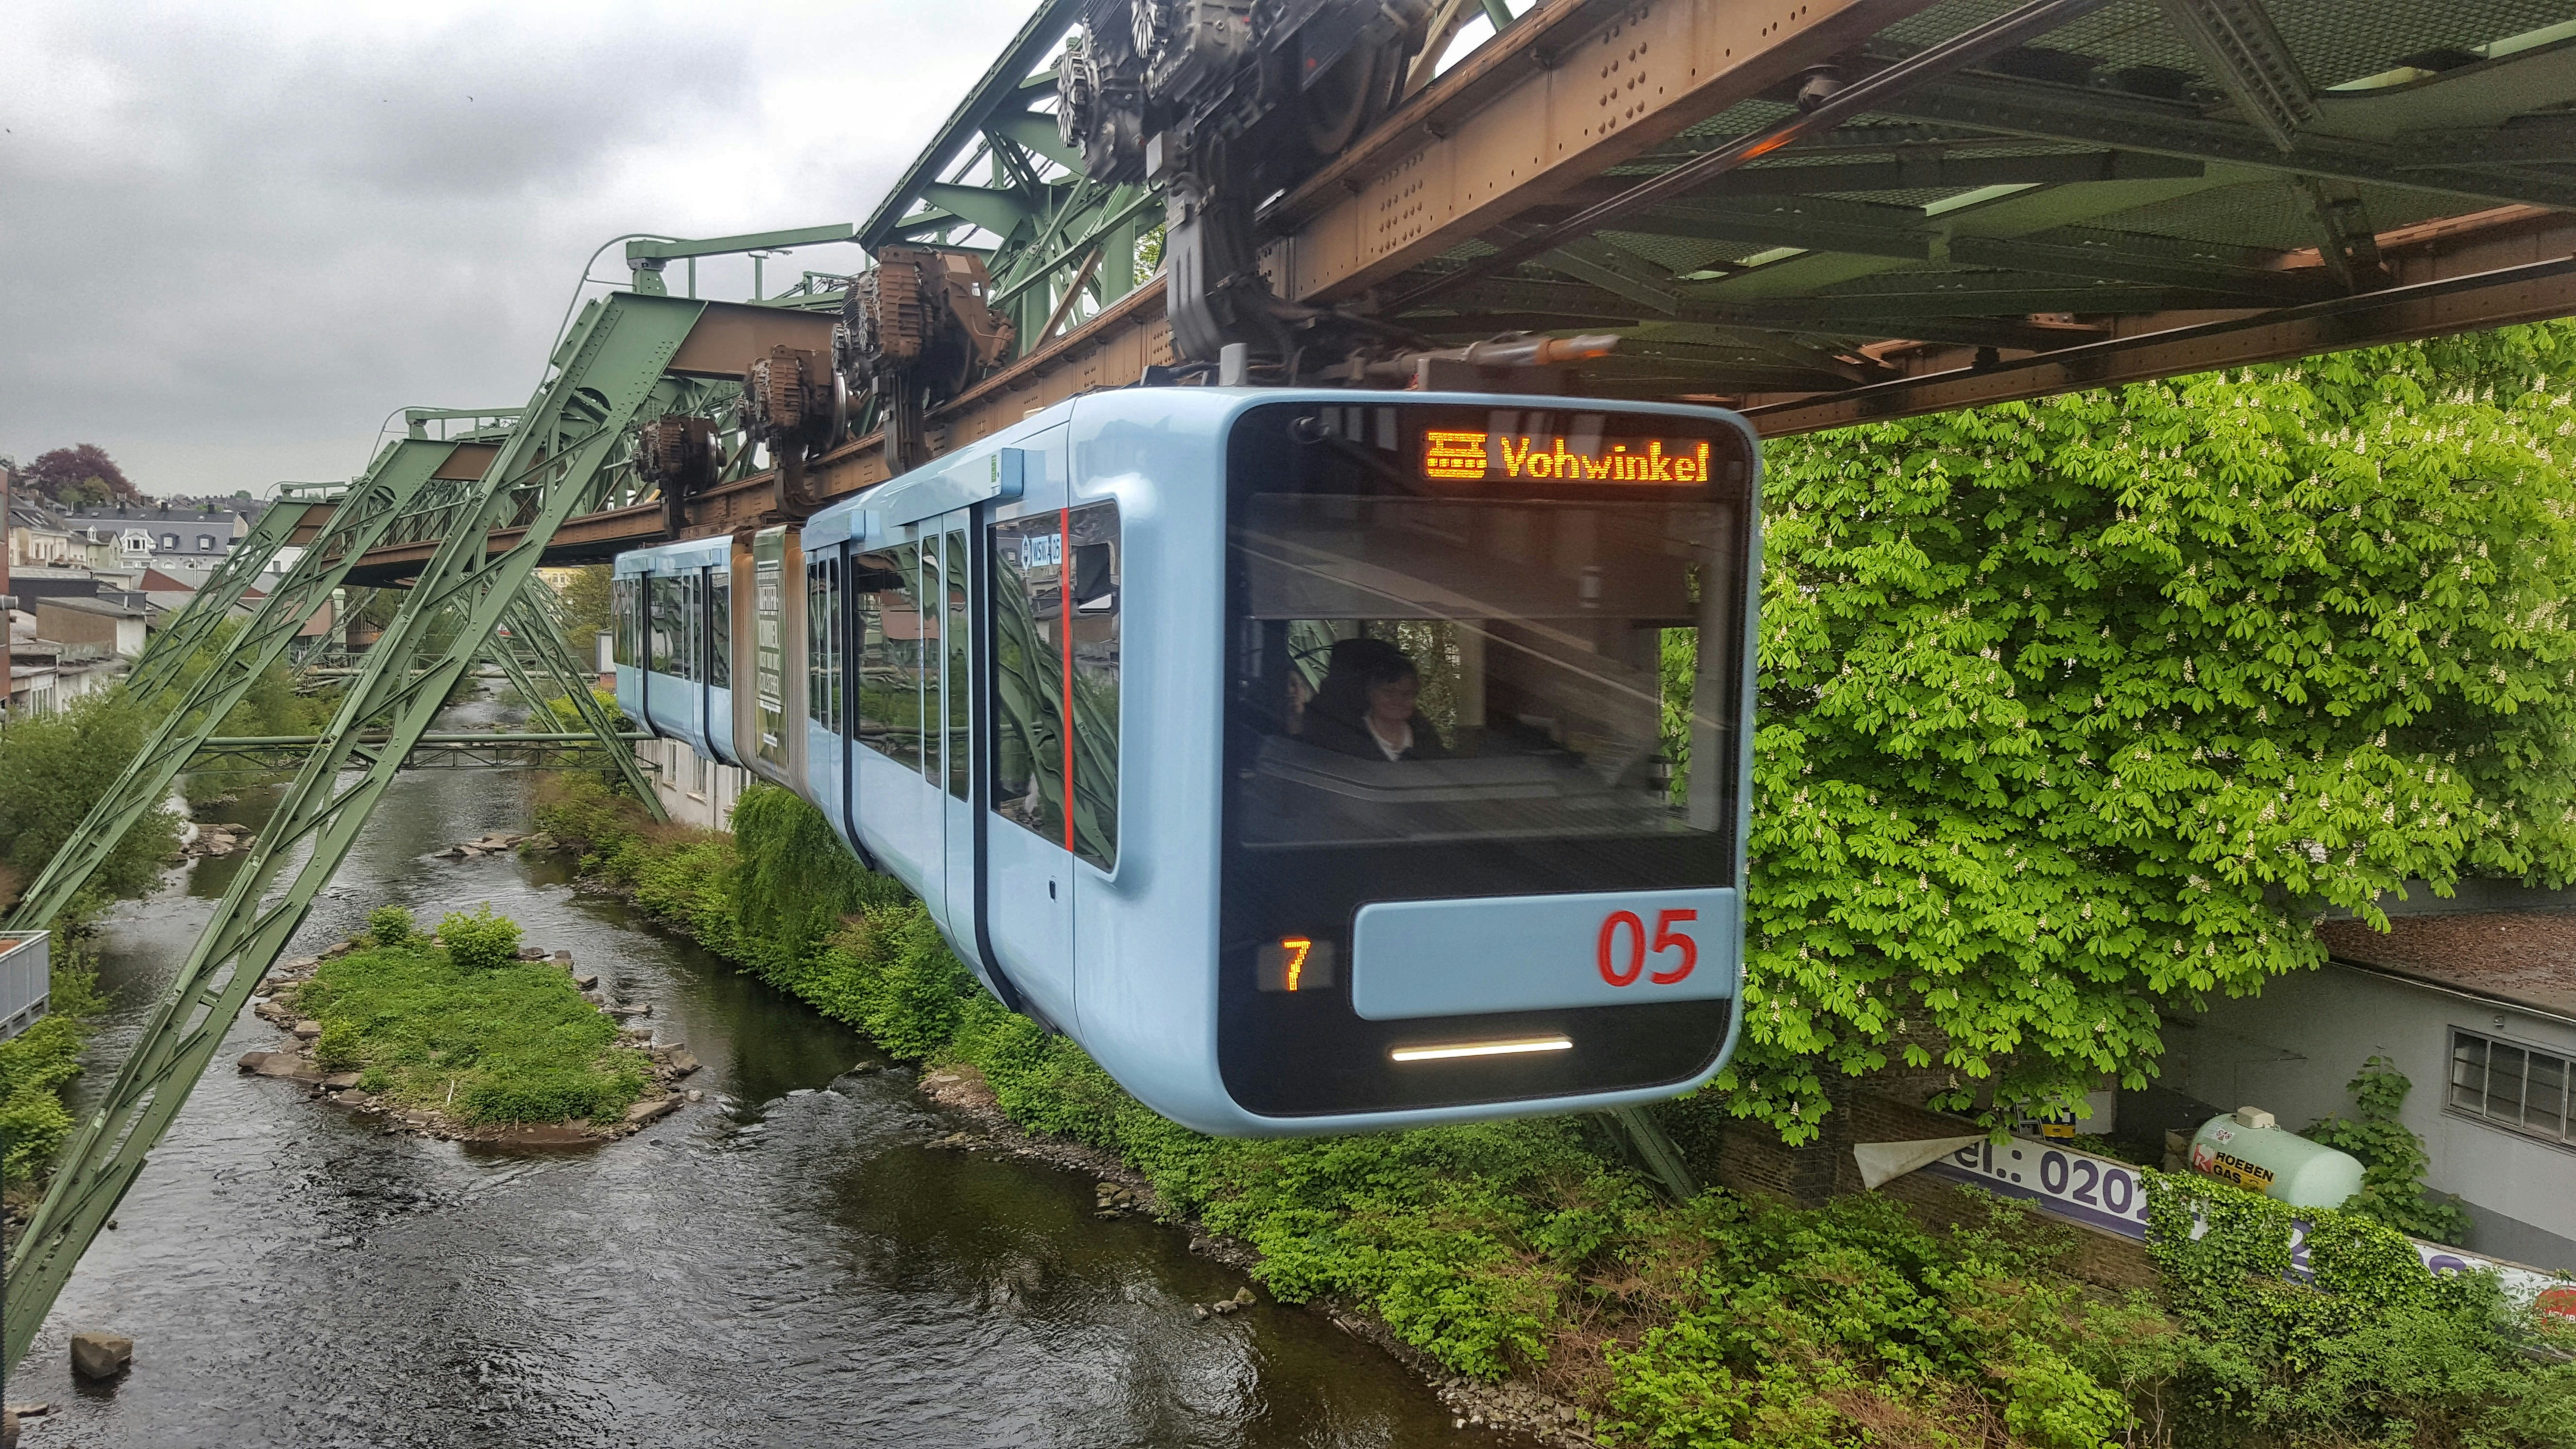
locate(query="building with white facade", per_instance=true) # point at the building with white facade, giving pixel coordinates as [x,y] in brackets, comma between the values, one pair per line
[2474,999]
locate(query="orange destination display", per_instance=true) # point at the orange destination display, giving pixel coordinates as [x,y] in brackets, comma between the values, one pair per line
[1455,455]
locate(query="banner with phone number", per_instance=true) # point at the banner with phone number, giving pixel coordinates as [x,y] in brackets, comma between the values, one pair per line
[2103,1193]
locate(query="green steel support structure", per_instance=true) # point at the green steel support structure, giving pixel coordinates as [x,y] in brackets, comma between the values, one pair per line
[536,632]
[608,369]
[463,750]
[363,516]
[198,619]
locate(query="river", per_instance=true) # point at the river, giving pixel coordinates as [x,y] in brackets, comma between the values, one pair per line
[788,1263]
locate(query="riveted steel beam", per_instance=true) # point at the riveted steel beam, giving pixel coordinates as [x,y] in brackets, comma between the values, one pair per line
[609,367]
[2490,299]
[361,516]
[2236,41]
[213,602]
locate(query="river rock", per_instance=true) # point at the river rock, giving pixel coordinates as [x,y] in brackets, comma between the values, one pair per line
[531,953]
[622,1011]
[8,1429]
[652,1111]
[339,1081]
[307,1029]
[101,1355]
[682,1061]
[587,983]
[274,1064]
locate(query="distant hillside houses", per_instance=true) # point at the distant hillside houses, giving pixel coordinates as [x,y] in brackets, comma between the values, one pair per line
[170,532]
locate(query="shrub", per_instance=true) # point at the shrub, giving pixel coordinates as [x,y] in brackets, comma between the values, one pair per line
[38,1063]
[340,1047]
[53,768]
[481,941]
[514,1042]
[389,926]
[2392,1157]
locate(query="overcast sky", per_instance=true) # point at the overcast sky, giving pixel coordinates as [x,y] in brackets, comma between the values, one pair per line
[234,237]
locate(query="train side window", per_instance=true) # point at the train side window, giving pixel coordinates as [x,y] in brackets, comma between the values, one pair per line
[1041,668]
[621,602]
[685,629]
[823,643]
[662,611]
[720,633]
[960,710]
[926,665]
[890,656]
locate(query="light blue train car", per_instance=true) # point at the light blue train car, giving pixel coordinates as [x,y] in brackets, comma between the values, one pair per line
[1317,760]
[673,611]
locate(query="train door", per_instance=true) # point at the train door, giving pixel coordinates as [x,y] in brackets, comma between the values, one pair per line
[1028,867]
[826,729]
[955,730]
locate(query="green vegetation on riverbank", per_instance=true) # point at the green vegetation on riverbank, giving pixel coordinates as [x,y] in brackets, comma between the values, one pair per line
[1526,1249]
[53,770]
[465,1027]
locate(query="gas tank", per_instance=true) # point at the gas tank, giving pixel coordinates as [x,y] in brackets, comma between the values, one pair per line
[2245,1148]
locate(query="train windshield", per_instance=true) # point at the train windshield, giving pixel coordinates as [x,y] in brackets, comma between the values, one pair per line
[1484,651]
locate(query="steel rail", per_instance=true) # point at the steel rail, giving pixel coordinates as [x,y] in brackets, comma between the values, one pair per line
[1958,52]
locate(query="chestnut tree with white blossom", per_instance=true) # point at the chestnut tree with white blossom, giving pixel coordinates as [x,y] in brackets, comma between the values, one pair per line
[2076,712]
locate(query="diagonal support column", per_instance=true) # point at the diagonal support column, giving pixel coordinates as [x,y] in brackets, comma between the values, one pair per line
[539,623]
[607,369]
[361,516]
[198,619]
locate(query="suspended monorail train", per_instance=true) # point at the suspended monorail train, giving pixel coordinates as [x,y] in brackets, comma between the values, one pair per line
[1317,760]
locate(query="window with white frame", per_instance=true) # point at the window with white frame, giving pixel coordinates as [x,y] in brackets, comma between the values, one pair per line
[2511,1086]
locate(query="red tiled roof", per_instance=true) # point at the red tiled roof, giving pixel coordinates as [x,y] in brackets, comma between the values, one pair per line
[2526,957]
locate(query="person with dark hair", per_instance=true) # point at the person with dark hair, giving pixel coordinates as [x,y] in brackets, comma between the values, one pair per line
[1365,706]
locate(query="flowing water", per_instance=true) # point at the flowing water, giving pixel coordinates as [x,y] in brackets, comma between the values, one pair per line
[788,1263]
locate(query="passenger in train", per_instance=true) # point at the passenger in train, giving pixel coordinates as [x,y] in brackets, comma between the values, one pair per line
[1365,706]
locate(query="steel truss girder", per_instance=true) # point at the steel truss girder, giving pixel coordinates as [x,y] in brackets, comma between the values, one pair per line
[2238,44]
[2047,112]
[198,619]
[500,750]
[606,371]
[363,515]
[536,626]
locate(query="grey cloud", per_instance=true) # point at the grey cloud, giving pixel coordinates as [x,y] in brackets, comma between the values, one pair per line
[232,255]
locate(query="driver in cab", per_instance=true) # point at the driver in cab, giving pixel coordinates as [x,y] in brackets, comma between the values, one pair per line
[1365,705]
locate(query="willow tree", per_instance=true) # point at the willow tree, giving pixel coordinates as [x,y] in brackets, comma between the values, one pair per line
[2080,709]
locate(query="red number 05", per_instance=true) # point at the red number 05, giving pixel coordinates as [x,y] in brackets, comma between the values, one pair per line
[1666,938]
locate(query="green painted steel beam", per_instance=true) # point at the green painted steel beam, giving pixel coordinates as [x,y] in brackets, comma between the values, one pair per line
[612,361]
[669,249]
[498,750]
[646,257]
[997,211]
[1003,85]
[1034,132]
[360,520]
[213,602]
[537,627]
[488,420]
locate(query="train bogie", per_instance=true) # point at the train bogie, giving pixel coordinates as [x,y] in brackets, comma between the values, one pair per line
[1316,760]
